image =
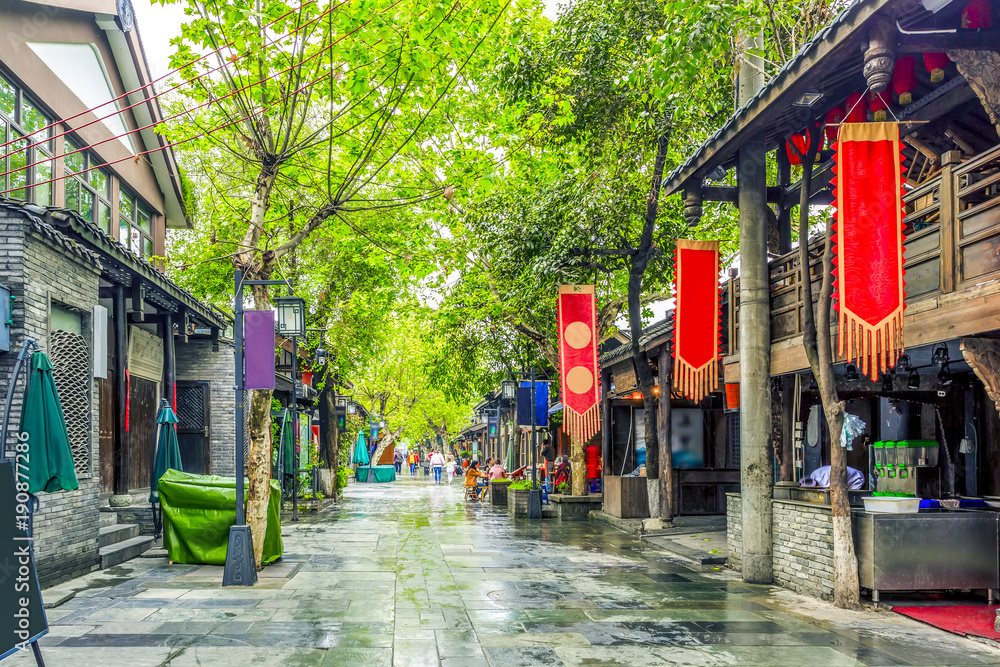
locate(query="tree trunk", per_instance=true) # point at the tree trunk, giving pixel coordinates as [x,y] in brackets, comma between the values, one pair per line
[817,340]
[578,466]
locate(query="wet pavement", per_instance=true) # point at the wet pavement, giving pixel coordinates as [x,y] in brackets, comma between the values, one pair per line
[411,574]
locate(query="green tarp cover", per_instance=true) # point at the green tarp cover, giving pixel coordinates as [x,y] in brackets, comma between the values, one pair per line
[198,511]
[381,473]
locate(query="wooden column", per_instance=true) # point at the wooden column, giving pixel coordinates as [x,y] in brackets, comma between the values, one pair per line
[606,430]
[755,345]
[169,361]
[121,388]
[788,418]
[663,424]
[784,211]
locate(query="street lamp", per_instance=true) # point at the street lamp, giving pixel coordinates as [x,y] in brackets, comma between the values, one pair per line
[291,316]
[508,390]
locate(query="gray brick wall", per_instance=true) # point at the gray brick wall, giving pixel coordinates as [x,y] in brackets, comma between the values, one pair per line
[734,530]
[196,361]
[39,272]
[803,544]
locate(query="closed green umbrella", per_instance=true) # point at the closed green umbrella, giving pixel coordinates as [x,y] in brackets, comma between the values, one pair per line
[167,455]
[361,456]
[511,462]
[288,443]
[50,460]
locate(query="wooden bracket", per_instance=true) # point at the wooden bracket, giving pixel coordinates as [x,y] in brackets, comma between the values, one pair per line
[983,354]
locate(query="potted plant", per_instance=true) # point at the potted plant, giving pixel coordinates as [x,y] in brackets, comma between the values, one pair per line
[517,498]
[498,492]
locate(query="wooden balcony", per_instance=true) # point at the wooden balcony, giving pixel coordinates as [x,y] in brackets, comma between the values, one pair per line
[952,261]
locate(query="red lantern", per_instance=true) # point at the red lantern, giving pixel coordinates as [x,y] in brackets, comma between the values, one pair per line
[904,80]
[879,105]
[801,143]
[857,108]
[977,14]
[833,119]
[935,64]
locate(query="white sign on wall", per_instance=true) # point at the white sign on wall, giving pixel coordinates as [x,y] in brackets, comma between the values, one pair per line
[145,354]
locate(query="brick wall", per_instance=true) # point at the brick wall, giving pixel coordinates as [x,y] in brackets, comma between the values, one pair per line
[42,267]
[734,530]
[196,361]
[803,544]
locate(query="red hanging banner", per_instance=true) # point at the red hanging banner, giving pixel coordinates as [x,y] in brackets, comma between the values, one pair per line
[696,319]
[578,361]
[868,244]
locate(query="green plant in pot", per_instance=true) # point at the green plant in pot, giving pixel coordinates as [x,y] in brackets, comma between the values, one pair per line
[523,485]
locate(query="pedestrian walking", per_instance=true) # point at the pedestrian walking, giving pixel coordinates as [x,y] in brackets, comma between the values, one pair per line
[449,468]
[397,460]
[437,463]
[413,464]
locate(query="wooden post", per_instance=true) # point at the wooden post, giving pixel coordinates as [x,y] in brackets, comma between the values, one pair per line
[121,393]
[663,423]
[784,210]
[169,361]
[788,418]
[606,431]
[755,342]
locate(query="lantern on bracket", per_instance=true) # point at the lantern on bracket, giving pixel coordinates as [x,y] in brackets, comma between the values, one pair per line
[904,79]
[879,104]
[800,142]
[291,316]
[935,63]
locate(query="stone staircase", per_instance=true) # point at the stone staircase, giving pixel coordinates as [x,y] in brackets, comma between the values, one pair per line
[120,542]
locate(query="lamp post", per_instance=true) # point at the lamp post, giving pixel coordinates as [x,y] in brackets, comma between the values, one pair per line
[241,568]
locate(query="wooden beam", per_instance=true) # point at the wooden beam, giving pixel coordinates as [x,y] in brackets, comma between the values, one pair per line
[121,389]
[979,39]
[138,294]
[727,194]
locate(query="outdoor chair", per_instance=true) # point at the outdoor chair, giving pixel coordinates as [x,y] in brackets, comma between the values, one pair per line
[471,493]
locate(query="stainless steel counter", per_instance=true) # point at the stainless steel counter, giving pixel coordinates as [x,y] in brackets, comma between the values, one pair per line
[931,550]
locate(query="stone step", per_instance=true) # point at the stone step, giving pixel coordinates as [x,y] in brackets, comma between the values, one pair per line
[116,554]
[109,519]
[119,532]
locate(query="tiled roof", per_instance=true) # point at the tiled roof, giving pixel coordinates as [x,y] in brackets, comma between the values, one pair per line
[103,247]
[664,327]
[792,72]
[32,213]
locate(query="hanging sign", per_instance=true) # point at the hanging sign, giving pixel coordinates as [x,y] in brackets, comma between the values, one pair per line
[22,616]
[578,360]
[258,349]
[868,233]
[541,404]
[696,319]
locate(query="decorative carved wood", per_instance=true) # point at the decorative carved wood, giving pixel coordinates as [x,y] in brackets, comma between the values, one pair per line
[983,354]
[880,57]
[982,70]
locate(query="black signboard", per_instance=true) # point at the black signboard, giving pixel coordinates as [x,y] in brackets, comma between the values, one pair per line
[22,616]
[342,417]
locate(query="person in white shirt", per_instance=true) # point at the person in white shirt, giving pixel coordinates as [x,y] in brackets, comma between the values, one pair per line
[449,468]
[437,463]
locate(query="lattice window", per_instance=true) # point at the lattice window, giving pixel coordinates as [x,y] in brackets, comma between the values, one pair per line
[733,427]
[191,407]
[70,356]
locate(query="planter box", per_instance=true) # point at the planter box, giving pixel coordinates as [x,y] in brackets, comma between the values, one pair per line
[575,508]
[626,497]
[498,493]
[517,502]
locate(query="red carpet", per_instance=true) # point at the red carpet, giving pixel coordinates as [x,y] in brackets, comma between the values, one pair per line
[961,619]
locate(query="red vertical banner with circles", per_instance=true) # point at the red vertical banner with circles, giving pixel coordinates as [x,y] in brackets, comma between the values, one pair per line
[578,357]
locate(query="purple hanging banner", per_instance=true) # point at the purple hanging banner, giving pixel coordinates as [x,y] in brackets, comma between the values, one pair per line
[258,349]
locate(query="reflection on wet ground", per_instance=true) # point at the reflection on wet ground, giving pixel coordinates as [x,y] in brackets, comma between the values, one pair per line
[411,574]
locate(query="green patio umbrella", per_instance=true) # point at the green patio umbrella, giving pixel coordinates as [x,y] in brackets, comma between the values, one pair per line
[361,456]
[288,443]
[511,462]
[167,455]
[50,460]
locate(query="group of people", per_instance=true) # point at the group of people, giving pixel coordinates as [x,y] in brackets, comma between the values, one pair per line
[494,470]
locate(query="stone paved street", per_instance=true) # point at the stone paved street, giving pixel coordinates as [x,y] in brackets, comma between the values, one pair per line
[410,574]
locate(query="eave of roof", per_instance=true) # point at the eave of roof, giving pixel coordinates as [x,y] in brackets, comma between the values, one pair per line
[791,81]
[108,249]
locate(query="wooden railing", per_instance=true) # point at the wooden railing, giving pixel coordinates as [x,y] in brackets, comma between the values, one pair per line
[952,228]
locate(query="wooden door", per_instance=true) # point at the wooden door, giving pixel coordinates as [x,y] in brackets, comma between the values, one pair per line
[194,427]
[106,439]
[142,431]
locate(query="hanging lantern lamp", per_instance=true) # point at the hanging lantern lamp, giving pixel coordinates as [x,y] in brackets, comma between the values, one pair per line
[977,14]
[802,143]
[935,63]
[833,119]
[857,108]
[904,80]
[879,105]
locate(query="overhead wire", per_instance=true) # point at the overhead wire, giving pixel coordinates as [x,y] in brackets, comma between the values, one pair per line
[146,99]
[151,83]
